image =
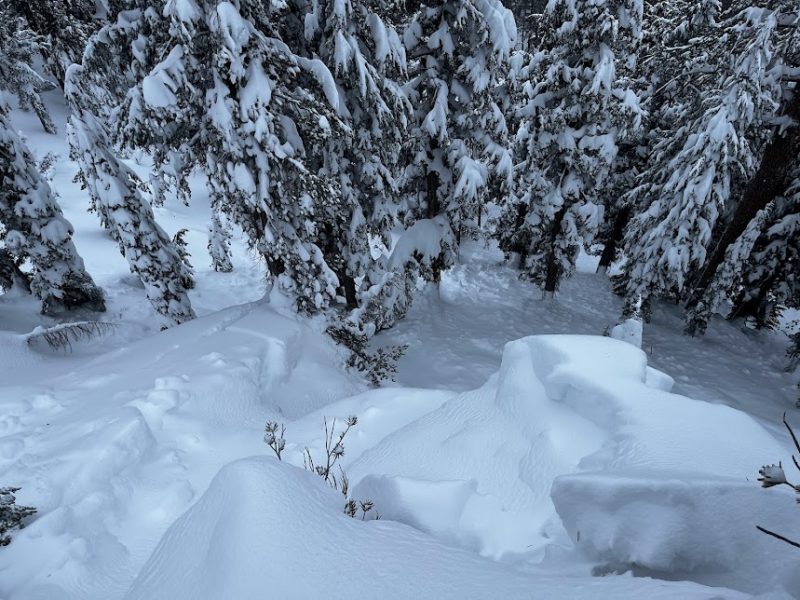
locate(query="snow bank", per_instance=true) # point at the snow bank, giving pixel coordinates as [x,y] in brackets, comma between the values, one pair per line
[588,413]
[113,451]
[265,528]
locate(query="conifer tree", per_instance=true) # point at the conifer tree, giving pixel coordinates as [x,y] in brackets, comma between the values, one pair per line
[696,170]
[367,59]
[459,50]
[116,194]
[216,89]
[578,104]
[34,229]
[63,26]
[19,46]
[219,243]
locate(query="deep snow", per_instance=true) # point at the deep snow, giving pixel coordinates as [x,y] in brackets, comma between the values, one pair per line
[502,465]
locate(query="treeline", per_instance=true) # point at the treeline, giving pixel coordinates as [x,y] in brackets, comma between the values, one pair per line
[357,143]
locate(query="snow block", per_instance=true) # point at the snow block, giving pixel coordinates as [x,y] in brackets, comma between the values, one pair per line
[682,525]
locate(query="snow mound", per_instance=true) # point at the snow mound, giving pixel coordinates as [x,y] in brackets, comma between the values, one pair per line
[568,406]
[112,452]
[266,528]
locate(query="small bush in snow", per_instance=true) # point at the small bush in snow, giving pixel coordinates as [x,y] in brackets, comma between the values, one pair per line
[772,475]
[11,515]
[275,439]
[377,366]
[47,165]
[334,450]
[179,239]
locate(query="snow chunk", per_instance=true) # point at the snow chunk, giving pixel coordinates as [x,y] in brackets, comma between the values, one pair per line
[630,330]
[681,524]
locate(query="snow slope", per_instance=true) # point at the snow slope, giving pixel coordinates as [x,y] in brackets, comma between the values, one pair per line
[500,468]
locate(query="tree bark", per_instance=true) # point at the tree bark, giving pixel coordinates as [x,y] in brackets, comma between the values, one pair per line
[553,273]
[769,181]
[349,287]
[614,240]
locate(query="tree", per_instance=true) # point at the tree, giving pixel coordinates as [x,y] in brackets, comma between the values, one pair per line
[366,58]
[63,26]
[18,48]
[696,170]
[577,106]
[215,89]
[459,51]
[219,244]
[761,271]
[33,228]
[114,189]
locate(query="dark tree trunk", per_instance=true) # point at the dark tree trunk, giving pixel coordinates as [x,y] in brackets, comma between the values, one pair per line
[349,287]
[614,240]
[553,273]
[769,181]
[433,207]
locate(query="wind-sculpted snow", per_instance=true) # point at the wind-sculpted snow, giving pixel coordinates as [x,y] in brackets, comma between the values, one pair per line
[562,406]
[267,529]
[575,442]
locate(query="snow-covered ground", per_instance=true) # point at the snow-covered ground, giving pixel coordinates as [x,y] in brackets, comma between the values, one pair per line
[506,462]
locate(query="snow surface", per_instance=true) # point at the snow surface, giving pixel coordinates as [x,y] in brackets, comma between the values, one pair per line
[507,462]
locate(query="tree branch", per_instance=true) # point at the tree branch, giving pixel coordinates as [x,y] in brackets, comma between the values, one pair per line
[778,536]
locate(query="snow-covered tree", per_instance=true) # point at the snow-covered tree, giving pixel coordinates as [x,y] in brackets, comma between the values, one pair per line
[33,228]
[578,105]
[367,59]
[117,197]
[12,515]
[217,90]
[62,26]
[219,243]
[458,52]
[761,272]
[695,170]
[19,46]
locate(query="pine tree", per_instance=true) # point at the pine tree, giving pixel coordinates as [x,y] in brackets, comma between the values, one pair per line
[34,229]
[761,272]
[115,192]
[697,168]
[63,26]
[18,48]
[219,243]
[367,59]
[215,89]
[459,50]
[775,29]
[578,105]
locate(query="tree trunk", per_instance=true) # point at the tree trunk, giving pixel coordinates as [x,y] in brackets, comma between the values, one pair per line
[614,240]
[553,273]
[769,181]
[349,287]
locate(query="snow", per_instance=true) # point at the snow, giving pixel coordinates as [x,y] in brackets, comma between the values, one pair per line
[680,526]
[300,545]
[509,460]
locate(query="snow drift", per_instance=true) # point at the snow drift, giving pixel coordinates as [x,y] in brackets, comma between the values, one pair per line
[588,414]
[265,529]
